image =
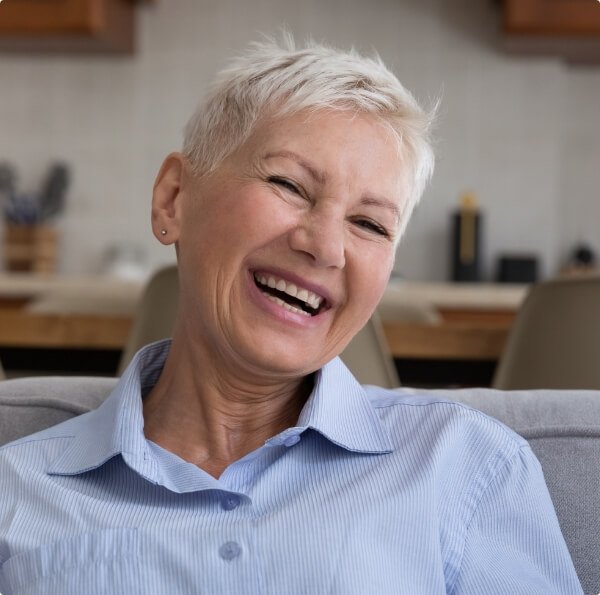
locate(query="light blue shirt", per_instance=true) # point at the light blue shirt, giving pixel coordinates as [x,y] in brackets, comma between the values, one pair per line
[374,491]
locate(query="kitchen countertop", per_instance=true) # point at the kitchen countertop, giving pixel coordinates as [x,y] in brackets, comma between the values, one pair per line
[420,320]
[477,296]
[77,294]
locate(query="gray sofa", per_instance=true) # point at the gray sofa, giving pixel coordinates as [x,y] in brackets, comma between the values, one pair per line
[563,428]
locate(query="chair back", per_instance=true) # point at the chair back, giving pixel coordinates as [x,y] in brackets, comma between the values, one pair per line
[396,306]
[555,339]
[368,356]
[155,315]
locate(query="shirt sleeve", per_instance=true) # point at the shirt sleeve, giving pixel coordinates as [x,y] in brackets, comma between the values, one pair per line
[513,541]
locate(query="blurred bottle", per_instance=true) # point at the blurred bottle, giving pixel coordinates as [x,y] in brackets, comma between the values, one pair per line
[466,240]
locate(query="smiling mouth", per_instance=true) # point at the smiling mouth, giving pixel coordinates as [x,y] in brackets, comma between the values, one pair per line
[289,296]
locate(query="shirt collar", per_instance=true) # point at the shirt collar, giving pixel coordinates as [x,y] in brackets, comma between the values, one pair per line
[338,408]
[117,426]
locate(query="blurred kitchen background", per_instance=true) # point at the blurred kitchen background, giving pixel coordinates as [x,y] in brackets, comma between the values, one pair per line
[517,130]
[521,132]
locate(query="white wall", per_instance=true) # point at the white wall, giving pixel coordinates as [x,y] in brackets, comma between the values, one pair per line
[523,133]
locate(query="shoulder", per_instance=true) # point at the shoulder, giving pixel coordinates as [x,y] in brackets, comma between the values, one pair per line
[398,408]
[461,443]
[27,457]
[459,452]
[26,484]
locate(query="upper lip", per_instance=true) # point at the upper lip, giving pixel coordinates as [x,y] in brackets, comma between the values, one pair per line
[297,280]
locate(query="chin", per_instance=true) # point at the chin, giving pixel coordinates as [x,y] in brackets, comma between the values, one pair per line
[286,361]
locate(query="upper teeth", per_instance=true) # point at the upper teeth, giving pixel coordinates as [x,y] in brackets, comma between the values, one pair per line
[312,299]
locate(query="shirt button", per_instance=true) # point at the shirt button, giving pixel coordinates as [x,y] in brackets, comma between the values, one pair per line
[230,550]
[230,502]
[291,440]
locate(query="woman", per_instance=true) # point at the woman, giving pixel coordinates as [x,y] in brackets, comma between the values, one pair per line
[243,457]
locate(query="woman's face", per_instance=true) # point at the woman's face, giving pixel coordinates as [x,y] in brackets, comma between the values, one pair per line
[285,250]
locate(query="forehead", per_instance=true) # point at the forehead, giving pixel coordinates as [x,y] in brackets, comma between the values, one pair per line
[353,145]
[326,125]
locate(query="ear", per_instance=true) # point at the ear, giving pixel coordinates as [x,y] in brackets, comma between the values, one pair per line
[167,198]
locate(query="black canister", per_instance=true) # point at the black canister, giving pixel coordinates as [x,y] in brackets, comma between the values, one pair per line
[466,240]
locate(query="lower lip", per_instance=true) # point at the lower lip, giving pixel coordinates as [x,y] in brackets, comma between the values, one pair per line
[279,312]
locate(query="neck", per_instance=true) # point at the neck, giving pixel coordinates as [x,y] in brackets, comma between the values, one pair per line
[213,419]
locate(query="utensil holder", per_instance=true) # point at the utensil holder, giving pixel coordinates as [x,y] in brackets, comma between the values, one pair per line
[30,248]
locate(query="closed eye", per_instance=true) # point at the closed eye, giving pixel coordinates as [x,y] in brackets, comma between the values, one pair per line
[372,226]
[283,183]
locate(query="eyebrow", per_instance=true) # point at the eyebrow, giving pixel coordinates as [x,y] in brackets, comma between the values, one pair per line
[321,177]
[314,172]
[379,201]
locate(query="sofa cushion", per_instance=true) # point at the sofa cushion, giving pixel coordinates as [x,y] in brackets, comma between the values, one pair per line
[28,405]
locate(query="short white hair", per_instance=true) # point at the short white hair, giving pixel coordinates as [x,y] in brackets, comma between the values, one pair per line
[275,79]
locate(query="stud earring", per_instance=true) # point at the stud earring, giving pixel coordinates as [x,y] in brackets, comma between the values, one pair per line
[163,232]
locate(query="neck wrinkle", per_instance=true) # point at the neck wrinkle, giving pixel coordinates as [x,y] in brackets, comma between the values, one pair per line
[213,419]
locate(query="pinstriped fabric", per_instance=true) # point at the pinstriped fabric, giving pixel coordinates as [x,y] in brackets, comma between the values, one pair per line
[371,492]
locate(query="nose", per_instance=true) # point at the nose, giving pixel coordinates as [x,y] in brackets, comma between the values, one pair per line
[320,235]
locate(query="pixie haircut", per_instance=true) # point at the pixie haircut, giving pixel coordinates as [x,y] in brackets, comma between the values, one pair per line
[275,79]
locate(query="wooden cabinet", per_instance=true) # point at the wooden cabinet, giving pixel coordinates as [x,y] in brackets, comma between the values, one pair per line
[552,17]
[567,28]
[67,25]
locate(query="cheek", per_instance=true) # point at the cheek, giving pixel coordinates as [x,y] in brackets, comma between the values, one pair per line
[257,214]
[220,223]
[370,278]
